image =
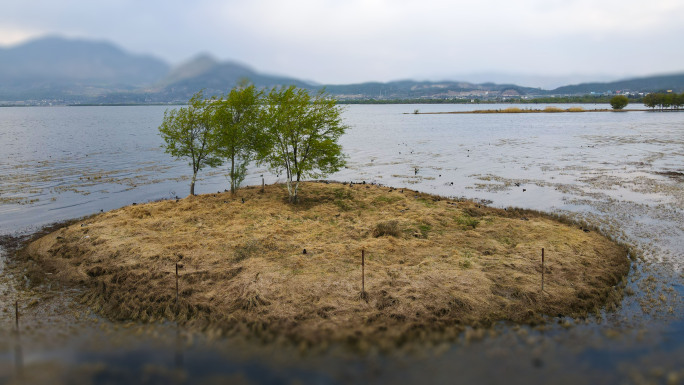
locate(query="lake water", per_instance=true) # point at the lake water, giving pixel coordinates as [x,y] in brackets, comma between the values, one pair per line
[623,172]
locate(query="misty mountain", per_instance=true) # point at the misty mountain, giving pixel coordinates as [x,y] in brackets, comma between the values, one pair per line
[204,72]
[409,89]
[642,84]
[188,70]
[54,66]
[82,71]
[546,82]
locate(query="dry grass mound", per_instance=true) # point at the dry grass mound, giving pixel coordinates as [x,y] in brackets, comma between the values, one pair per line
[278,271]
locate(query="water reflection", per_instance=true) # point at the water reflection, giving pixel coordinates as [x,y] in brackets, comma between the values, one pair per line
[18,360]
[18,350]
[178,352]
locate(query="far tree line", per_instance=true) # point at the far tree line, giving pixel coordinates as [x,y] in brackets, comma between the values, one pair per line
[668,100]
[286,128]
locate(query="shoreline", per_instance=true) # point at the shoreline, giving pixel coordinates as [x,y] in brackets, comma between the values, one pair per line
[515,110]
[276,290]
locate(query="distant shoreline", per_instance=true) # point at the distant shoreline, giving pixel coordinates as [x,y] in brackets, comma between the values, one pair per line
[548,110]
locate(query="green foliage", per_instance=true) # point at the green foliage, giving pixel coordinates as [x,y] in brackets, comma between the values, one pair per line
[466,221]
[424,229]
[426,202]
[187,133]
[236,119]
[288,129]
[664,100]
[388,199]
[619,102]
[301,134]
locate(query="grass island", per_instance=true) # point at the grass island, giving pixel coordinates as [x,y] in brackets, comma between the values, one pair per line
[517,110]
[253,264]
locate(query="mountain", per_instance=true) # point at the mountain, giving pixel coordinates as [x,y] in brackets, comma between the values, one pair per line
[409,89]
[81,71]
[546,82]
[643,84]
[54,67]
[204,72]
[195,67]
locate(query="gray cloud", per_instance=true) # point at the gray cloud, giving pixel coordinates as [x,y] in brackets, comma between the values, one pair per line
[351,41]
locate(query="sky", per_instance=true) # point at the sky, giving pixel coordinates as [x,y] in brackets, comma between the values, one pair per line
[338,41]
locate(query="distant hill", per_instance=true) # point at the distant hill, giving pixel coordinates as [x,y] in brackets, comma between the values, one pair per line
[409,89]
[643,84]
[204,72]
[190,69]
[82,71]
[54,67]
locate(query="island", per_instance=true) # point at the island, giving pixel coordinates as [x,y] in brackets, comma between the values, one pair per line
[353,263]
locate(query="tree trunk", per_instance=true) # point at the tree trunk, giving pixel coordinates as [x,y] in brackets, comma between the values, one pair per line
[290,192]
[192,183]
[232,174]
[296,191]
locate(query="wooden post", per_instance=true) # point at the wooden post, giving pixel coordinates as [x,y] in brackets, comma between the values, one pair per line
[542,282]
[363,272]
[176,283]
[16,315]
[263,184]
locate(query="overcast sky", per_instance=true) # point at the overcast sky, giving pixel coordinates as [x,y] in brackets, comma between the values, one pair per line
[338,41]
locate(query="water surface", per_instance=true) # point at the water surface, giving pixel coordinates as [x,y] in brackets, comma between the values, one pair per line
[622,172]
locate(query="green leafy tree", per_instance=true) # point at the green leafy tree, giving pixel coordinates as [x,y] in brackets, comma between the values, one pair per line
[236,119]
[188,133]
[302,135]
[679,101]
[650,100]
[619,102]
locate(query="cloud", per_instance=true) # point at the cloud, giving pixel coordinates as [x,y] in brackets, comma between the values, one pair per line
[10,35]
[356,40]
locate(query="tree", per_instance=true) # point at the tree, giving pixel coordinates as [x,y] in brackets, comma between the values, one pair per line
[302,134]
[650,100]
[236,120]
[679,101]
[188,133]
[619,102]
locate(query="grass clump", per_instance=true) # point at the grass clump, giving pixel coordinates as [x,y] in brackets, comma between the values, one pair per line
[513,110]
[246,250]
[467,222]
[387,228]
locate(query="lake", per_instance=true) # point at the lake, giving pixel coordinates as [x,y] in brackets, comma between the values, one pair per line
[622,172]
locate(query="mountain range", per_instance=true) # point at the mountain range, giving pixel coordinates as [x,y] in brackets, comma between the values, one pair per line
[64,70]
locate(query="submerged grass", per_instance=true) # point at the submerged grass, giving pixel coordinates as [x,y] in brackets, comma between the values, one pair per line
[282,272]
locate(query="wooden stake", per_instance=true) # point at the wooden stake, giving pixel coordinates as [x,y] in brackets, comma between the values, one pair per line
[363,272]
[542,282]
[263,184]
[176,283]
[16,315]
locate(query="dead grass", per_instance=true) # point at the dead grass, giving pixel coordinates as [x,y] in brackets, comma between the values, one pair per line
[433,265]
[516,110]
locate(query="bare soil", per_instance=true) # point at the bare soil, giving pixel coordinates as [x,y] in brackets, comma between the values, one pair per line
[252,264]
